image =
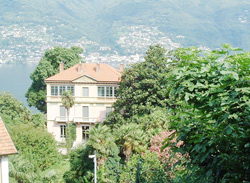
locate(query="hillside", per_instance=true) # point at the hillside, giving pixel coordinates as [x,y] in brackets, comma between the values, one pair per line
[112,23]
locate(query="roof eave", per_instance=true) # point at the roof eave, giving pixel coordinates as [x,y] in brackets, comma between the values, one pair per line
[70,81]
[7,154]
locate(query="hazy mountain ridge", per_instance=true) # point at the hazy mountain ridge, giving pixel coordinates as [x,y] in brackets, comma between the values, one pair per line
[206,23]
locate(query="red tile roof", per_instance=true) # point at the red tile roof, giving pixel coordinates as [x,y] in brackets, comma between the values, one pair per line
[99,72]
[6,145]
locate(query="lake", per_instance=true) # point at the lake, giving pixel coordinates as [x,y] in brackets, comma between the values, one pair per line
[15,78]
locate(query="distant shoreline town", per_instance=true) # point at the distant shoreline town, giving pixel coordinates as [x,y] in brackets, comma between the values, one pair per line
[21,44]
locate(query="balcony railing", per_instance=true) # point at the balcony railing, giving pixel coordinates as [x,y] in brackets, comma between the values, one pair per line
[79,119]
[84,120]
[61,119]
[81,99]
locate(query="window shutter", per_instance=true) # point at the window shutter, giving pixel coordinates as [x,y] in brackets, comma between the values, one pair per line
[108,110]
[85,111]
[62,111]
[85,91]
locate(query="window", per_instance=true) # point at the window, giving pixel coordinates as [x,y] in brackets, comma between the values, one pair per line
[101,91]
[63,131]
[85,91]
[85,132]
[108,110]
[71,88]
[115,90]
[85,111]
[106,91]
[109,91]
[58,90]
[62,111]
[62,89]
[100,104]
[54,90]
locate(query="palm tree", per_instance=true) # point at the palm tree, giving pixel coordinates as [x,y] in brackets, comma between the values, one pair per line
[22,170]
[101,139]
[131,138]
[68,102]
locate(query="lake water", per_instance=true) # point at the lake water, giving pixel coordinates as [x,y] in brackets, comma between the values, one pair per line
[15,78]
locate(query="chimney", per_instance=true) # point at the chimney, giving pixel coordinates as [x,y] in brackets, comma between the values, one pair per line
[121,67]
[61,67]
[79,68]
[98,67]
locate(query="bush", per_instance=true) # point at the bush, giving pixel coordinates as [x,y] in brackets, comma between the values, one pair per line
[81,166]
[211,116]
[144,168]
[12,108]
[36,144]
[39,120]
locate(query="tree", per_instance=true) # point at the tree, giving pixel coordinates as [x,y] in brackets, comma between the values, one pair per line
[130,138]
[81,166]
[68,102]
[144,167]
[153,123]
[14,109]
[49,66]
[39,120]
[142,87]
[36,147]
[22,170]
[211,94]
[101,139]
[36,144]
[166,154]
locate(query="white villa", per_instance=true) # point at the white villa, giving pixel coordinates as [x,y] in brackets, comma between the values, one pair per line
[93,86]
[6,148]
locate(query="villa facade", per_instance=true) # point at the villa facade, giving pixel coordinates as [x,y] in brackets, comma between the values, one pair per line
[93,86]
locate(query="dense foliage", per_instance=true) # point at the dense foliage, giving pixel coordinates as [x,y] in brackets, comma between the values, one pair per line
[127,131]
[12,108]
[15,112]
[81,166]
[203,96]
[198,101]
[21,169]
[36,148]
[36,144]
[142,87]
[145,167]
[211,93]
[49,66]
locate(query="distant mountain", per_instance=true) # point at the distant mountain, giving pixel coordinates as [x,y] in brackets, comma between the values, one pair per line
[189,23]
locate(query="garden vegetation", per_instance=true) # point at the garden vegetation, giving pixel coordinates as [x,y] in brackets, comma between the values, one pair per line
[180,116]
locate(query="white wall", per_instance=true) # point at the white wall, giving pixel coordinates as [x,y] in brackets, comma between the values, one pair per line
[4,169]
[55,130]
[0,169]
[97,108]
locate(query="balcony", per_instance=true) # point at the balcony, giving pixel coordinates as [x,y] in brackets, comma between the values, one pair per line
[83,99]
[61,119]
[95,99]
[84,120]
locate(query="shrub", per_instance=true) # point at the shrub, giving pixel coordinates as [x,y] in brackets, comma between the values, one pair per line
[36,144]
